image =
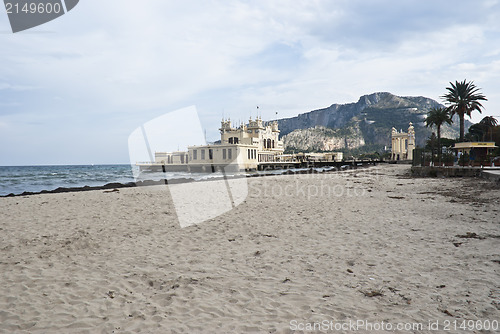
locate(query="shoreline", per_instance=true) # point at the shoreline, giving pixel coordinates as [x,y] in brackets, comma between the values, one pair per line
[142,183]
[435,172]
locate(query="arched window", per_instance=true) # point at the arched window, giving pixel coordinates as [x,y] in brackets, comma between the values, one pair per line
[264,143]
[273,144]
[269,143]
[230,140]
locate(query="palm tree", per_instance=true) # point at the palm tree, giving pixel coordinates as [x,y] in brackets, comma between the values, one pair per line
[463,98]
[489,122]
[437,117]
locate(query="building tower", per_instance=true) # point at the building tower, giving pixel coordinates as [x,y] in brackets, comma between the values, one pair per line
[411,141]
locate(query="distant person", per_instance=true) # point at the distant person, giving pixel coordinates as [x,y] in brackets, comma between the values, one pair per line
[472,157]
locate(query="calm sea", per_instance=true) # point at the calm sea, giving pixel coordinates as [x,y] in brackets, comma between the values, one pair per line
[18,179]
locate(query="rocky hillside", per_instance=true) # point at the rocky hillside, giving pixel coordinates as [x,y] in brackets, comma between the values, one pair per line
[364,124]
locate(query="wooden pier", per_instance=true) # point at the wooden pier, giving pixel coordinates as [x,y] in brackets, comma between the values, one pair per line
[263,166]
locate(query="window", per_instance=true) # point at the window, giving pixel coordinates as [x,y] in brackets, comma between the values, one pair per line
[273,144]
[229,154]
[269,143]
[248,151]
[202,154]
[235,140]
[264,143]
[195,154]
[187,158]
[182,158]
[210,154]
[224,154]
[231,140]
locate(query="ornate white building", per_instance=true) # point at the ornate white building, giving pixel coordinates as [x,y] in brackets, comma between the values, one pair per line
[265,137]
[241,148]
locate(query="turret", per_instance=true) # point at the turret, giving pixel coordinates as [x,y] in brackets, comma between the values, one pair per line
[257,124]
[411,129]
[274,126]
[225,126]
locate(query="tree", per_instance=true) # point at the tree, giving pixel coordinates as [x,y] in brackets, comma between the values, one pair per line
[476,132]
[462,99]
[437,117]
[489,122]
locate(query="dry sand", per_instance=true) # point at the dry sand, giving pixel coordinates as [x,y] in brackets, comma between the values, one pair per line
[393,249]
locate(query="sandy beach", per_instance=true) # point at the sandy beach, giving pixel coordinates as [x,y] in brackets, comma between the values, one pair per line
[379,247]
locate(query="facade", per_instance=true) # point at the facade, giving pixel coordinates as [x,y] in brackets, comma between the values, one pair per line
[241,148]
[477,152]
[403,143]
[256,133]
[232,157]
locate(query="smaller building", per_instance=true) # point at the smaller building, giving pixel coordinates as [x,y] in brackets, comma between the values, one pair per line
[403,143]
[229,157]
[476,151]
[171,158]
[176,161]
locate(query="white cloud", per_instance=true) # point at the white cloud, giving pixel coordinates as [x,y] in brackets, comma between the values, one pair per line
[7,86]
[121,65]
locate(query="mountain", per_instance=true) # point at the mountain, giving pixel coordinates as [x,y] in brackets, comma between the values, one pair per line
[365,125]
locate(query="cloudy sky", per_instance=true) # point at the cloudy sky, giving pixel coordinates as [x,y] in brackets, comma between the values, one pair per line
[74,89]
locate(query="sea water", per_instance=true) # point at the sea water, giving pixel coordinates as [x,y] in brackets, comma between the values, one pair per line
[19,179]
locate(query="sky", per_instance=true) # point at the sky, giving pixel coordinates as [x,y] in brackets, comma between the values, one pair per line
[73,90]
